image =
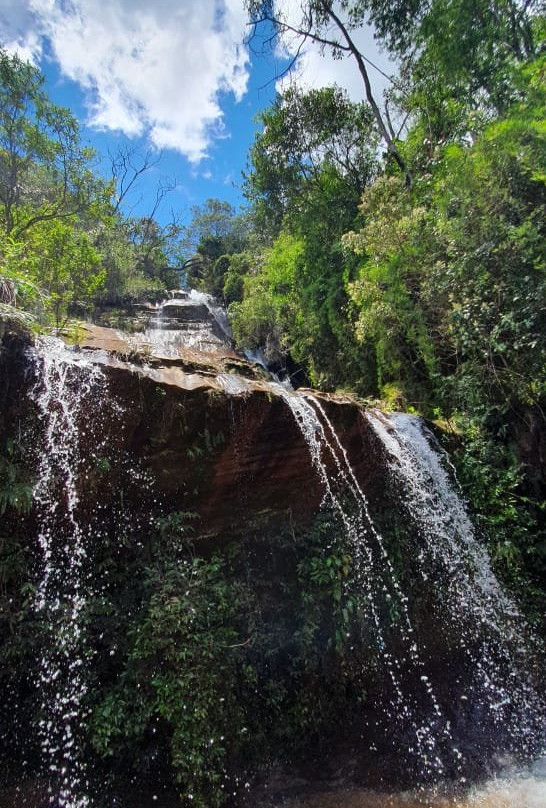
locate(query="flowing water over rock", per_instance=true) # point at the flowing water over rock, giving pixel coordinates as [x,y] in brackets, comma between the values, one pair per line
[450,650]
[187,320]
[375,574]
[491,631]
[68,387]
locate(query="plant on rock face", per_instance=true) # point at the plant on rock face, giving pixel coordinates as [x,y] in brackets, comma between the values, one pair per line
[181,678]
[15,489]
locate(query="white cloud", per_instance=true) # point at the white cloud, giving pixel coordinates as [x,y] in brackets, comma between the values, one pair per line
[159,67]
[147,66]
[17,30]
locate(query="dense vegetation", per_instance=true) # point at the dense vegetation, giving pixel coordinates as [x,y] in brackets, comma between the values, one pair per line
[416,275]
[395,251]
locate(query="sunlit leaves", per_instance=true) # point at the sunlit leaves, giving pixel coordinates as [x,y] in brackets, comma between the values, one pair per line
[44,169]
[269,306]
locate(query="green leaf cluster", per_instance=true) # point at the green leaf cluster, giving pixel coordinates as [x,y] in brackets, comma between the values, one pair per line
[64,244]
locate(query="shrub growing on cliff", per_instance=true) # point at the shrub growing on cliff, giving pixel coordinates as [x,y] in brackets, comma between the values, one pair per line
[230,660]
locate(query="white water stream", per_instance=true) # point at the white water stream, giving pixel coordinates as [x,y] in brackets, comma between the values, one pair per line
[489,627]
[170,330]
[68,386]
[371,560]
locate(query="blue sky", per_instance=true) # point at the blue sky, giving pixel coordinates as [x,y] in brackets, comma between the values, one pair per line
[217,175]
[173,76]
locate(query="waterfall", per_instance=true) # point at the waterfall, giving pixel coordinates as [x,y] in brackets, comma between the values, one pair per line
[218,313]
[489,627]
[375,575]
[421,587]
[191,321]
[68,387]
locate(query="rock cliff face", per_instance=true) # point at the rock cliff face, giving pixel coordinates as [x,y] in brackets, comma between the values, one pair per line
[212,434]
[244,574]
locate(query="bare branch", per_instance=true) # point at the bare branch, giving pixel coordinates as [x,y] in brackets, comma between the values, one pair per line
[310,30]
[127,165]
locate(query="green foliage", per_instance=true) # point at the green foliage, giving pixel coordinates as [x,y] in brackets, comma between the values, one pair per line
[20,630]
[297,164]
[15,489]
[450,288]
[60,261]
[215,233]
[225,660]
[63,243]
[45,172]
[45,184]
[52,268]
[154,247]
[491,220]
[386,291]
[239,265]
[183,655]
[304,134]
[268,309]
[129,275]
[19,294]
[474,46]
[506,509]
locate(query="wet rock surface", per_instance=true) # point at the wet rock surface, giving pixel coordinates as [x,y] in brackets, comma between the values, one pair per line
[213,433]
[216,434]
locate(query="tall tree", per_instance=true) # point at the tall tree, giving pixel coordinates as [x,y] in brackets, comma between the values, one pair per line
[302,133]
[45,172]
[331,25]
[215,231]
[215,220]
[309,166]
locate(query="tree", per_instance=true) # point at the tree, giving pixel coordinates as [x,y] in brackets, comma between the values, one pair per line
[61,261]
[45,172]
[216,230]
[452,273]
[396,250]
[127,167]
[470,46]
[266,317]
[214,221]
[308,168]
[304,132]
[330,24]
[155,248]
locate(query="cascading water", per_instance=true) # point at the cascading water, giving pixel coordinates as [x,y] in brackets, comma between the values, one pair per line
[487,622]
[491,631]
[409,713]
[68,386]
[189,320]
[218,313]
[375,574]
